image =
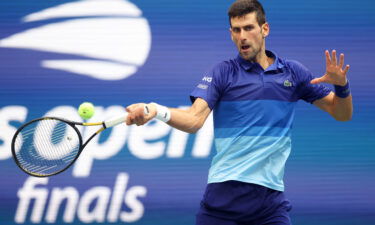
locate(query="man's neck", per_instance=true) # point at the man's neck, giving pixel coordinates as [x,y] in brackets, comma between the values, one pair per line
[264,61]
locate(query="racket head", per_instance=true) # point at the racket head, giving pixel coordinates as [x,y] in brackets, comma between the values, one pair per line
[46,146]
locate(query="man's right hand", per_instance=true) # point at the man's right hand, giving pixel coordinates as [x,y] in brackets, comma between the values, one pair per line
[140,113]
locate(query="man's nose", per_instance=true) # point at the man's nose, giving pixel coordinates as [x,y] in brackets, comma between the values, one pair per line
[242,35]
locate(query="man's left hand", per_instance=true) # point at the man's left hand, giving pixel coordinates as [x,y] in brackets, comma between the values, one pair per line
[335,74]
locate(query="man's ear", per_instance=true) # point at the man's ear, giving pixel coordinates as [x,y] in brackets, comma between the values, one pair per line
[265,29]
[230,32]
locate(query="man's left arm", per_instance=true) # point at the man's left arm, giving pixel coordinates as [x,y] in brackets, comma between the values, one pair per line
[339,104]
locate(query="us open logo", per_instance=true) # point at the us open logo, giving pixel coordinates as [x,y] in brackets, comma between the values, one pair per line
[102,39]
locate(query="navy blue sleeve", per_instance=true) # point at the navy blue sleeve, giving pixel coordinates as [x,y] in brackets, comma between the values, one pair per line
[210,87]
[307,91]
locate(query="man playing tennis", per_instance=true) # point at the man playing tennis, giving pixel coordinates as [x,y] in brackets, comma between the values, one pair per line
[253,97]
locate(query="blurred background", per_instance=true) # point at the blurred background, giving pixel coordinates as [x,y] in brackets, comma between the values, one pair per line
[55,55]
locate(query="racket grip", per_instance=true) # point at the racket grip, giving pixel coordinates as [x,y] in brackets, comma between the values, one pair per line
[116,120]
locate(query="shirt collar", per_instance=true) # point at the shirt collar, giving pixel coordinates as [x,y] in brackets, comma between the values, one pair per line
[247,65]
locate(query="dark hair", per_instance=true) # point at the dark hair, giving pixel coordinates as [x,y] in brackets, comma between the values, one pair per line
[242,7]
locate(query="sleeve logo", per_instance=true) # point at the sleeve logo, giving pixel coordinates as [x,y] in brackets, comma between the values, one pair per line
[202,86]
[208,79]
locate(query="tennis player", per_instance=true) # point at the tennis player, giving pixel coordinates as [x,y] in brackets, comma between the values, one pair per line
[253,98]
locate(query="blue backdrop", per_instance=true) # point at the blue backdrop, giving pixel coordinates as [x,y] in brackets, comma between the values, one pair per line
[56,54]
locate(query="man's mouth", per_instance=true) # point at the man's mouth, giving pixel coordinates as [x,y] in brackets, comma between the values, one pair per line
[245,47]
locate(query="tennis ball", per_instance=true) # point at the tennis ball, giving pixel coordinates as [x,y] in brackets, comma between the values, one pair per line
[86,110]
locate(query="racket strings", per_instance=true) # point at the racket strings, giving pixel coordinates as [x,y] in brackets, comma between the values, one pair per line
[46,146]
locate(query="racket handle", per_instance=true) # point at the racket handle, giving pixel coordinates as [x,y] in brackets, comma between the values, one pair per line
[116,120]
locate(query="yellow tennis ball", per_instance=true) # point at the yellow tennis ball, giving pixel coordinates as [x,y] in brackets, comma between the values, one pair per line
[86,110]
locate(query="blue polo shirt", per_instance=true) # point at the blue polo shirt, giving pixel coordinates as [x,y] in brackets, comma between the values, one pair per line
[253,112]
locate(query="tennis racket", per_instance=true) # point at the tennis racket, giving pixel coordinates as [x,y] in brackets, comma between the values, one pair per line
[48,146]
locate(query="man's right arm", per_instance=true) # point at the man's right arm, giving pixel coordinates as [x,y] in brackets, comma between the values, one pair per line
[189,120]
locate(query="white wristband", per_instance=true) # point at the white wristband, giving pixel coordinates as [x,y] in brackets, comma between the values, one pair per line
[162,112]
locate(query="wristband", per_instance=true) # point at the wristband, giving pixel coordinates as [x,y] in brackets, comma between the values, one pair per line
[342,91]
[162,112]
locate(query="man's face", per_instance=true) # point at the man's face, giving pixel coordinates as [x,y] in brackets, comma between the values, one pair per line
[248,35]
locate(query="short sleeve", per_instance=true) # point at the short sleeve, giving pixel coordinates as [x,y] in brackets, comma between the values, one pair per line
[307,91]
[210,87]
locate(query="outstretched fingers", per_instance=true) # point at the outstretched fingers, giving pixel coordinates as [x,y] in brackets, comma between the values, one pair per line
[346,69]
[318,80]
[328,58]
[334,58]
[335,71]
[341,62]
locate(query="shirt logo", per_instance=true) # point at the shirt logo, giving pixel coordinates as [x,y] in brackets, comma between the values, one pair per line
[287,83]
[202,86]
[208,79]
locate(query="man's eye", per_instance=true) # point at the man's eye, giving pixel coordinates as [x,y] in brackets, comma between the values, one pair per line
[236,30]
[248,28]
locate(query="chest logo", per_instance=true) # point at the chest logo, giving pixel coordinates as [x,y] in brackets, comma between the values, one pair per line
[287,83]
